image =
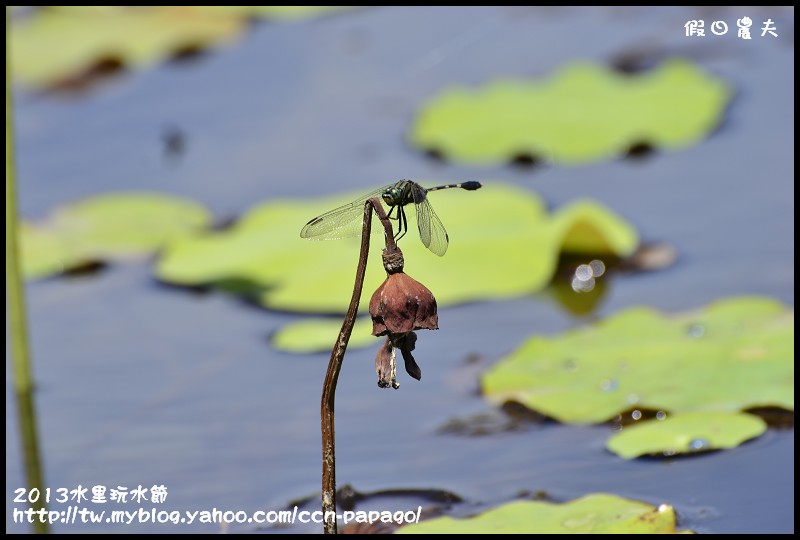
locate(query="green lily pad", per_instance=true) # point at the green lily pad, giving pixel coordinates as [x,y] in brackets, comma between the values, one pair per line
[44,253]
[106,227]
[502,244]
[734,354]
[280,13]
[583,113]
[598,513]
[686,433]
[57,44]
[315,335]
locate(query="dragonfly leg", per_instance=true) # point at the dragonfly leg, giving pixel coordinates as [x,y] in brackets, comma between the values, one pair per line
[402,223]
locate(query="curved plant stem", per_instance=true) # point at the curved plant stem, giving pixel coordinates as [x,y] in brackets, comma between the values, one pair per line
[335,365]
[20,355]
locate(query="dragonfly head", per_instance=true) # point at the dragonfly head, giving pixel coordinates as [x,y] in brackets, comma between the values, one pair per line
[403,192]
[393,196]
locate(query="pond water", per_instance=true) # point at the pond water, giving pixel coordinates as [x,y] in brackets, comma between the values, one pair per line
[141,384]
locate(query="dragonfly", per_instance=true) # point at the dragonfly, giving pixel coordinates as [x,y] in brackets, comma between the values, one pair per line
[345,220]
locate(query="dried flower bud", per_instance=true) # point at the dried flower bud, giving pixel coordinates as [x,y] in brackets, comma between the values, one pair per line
[402,304]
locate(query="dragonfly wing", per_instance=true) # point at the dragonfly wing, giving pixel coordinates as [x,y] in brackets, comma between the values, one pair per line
[342,222]
[431,231]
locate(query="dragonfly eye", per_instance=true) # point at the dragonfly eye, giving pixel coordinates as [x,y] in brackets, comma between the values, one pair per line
[391,197]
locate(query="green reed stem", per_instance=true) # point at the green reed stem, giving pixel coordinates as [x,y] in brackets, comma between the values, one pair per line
[20,353]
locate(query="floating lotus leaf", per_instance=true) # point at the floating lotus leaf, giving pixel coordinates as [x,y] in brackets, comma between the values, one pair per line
[43,253]
[732,355]
[314,335]
[598,513]
[502,244]
[583,113]
[58,43]
[106,227]
[686,433]
[281,13]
